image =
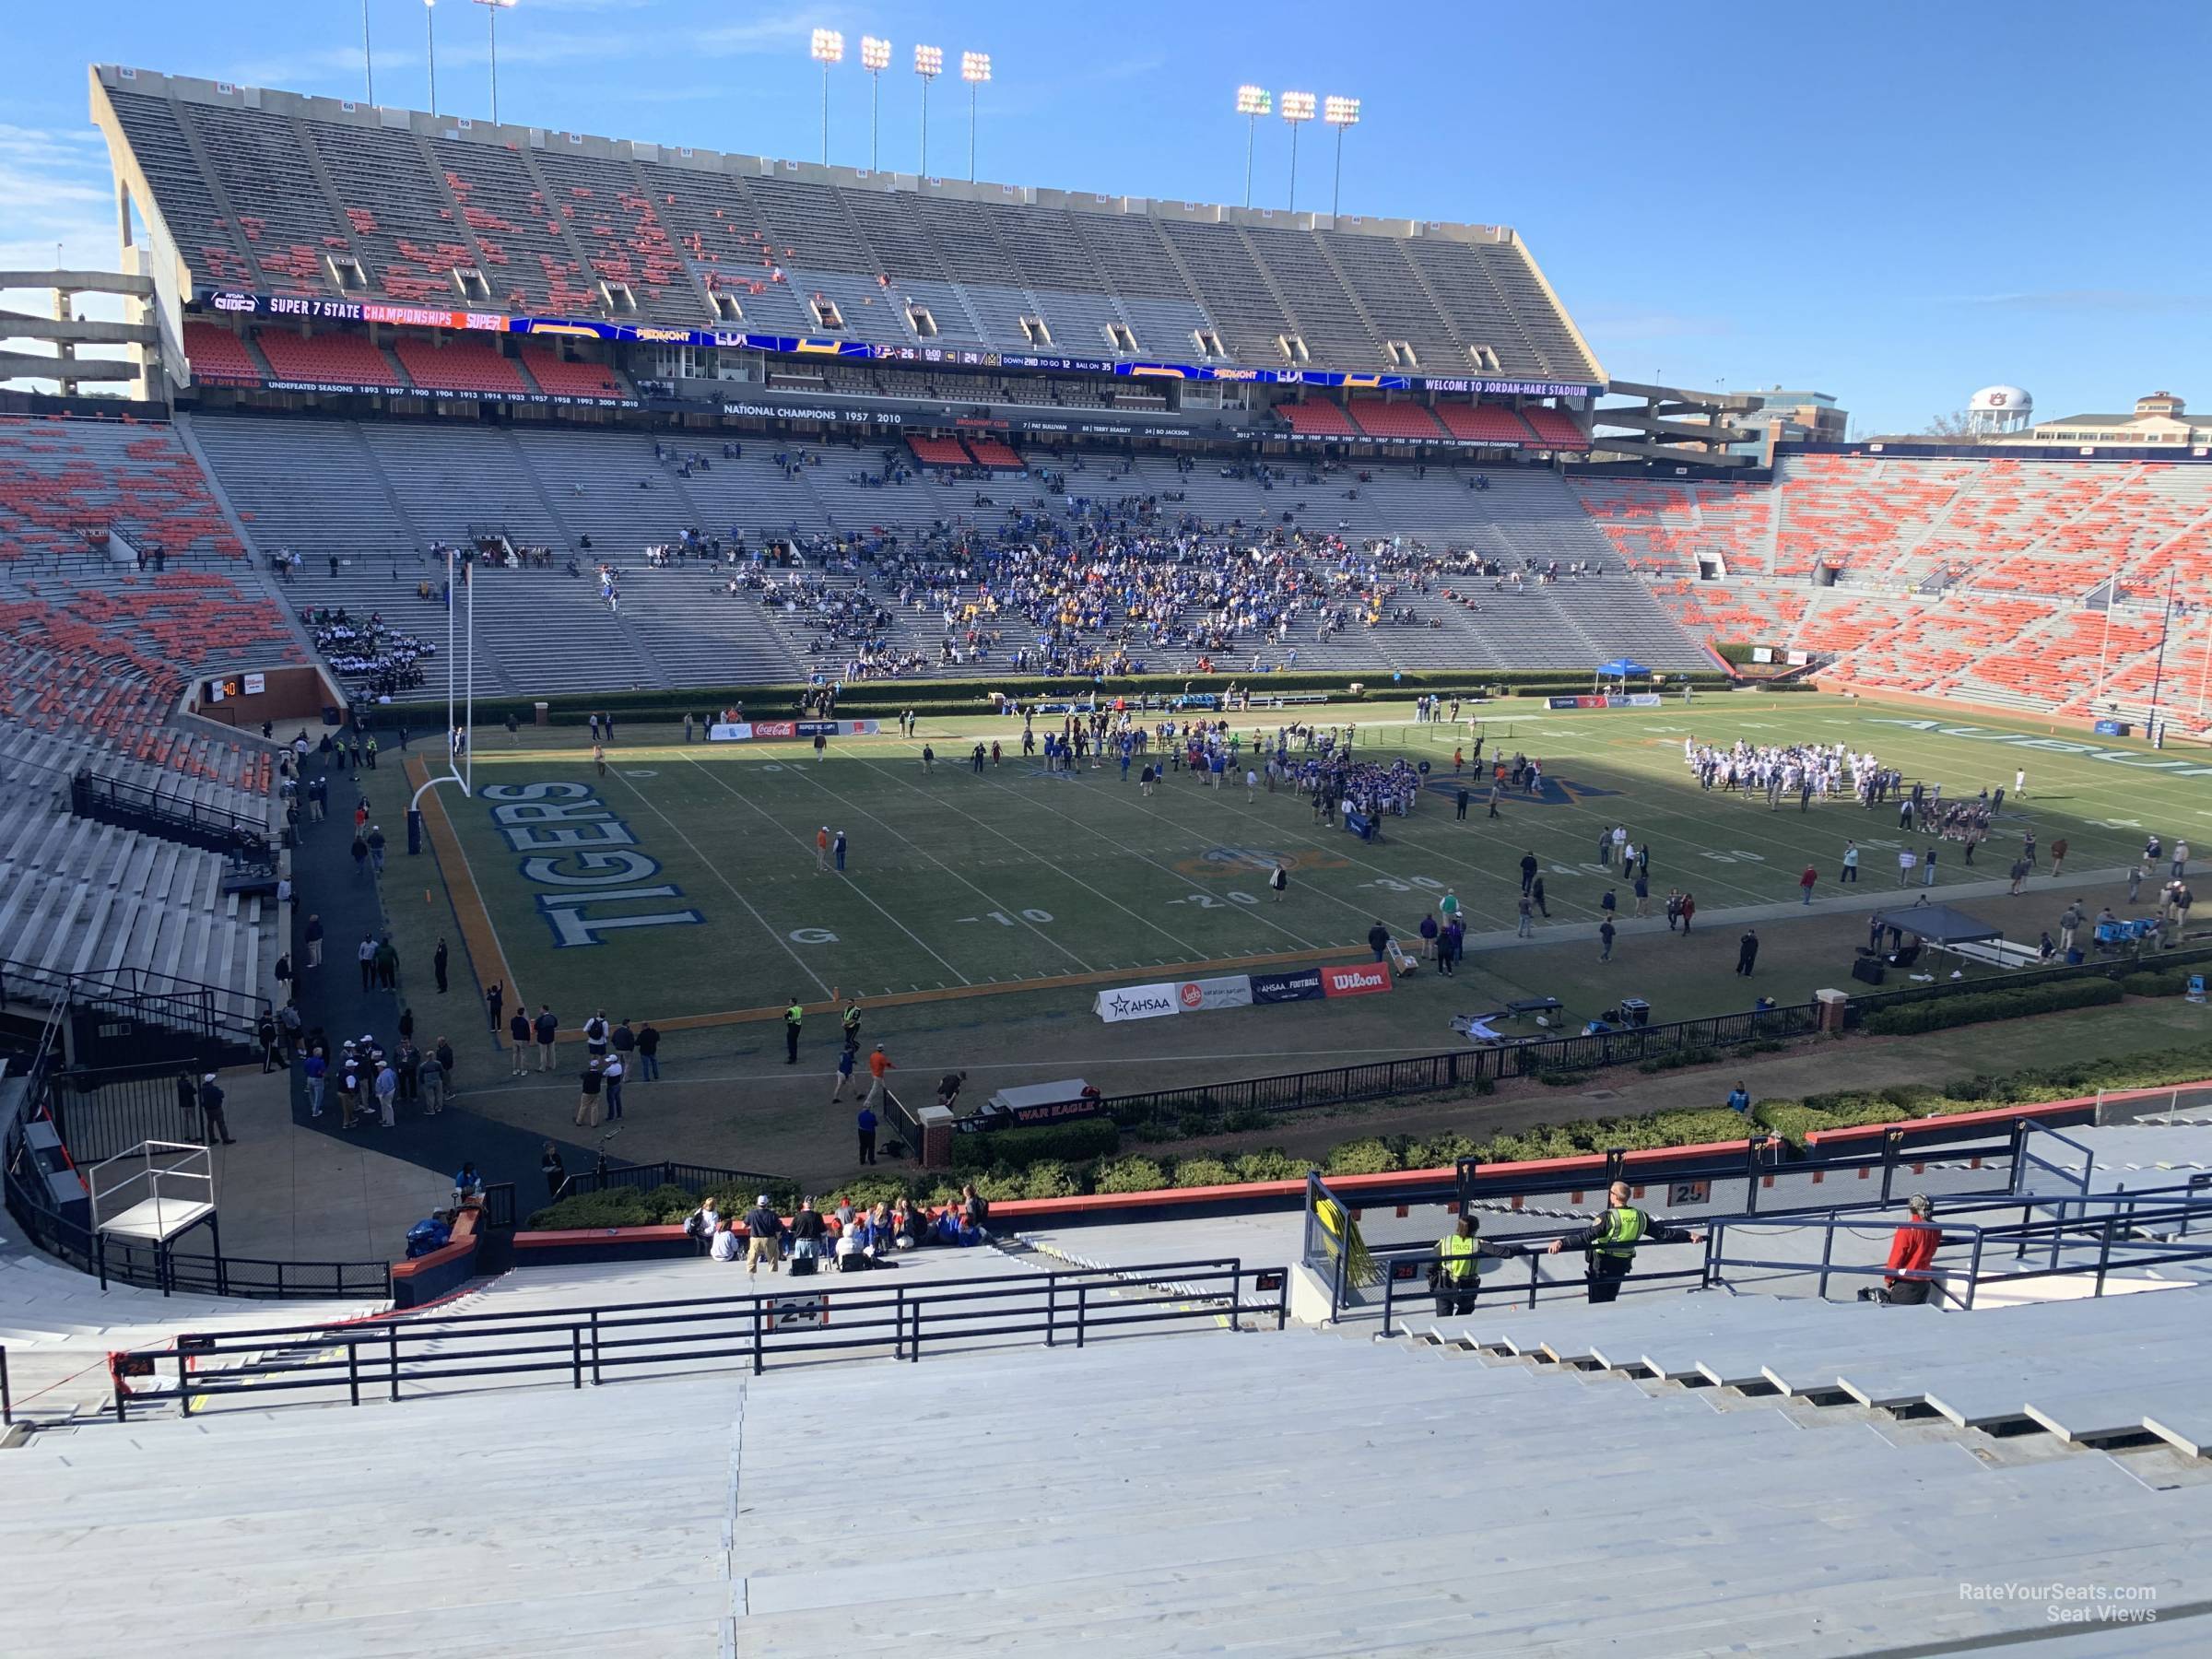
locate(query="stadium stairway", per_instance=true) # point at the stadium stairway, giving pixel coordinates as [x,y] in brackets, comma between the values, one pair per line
[2111,1369]
[59,1327]
[1144,1498]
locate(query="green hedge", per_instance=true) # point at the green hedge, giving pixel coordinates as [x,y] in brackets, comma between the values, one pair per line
[1026,1167]
[2161,982]
[1019,1148]
[1974,1007]
[973,696]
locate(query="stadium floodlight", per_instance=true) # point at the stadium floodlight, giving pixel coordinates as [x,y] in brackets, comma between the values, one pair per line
[1252,103]
[1339,113]
[828,48]
[430,28]
[495,8]
[929,63]
[1298,109]
[875,57]
[367,58]
[976,69]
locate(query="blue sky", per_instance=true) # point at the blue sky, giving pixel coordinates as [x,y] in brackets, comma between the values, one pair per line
[1895,202]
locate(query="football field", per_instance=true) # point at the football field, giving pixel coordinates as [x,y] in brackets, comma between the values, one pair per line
[688,872]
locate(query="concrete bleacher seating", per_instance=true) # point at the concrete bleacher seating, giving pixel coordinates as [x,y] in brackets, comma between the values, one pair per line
[83,898]
[377,496]
[278,194]
[1980,578]
[1124,1515]
[64,484]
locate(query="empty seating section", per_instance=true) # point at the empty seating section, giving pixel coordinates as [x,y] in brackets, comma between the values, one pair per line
[1460,279]
[938,451]
[563,377]
[87,898]
[1864,517]
[528,261]
[339,359]
[1485,423]
[1379,417]
[1554,429]
[719,233]
[64,484]
[266,193]
[1403,307]
[263,169]
[1248,315]
[990,451]
[1986,569]
[1329,318]
[1317,416]
[458,364]
[184,200]
[609,212]
[405,228]
[219,357]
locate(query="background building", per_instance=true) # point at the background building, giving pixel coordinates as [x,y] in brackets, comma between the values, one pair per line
[2159,419]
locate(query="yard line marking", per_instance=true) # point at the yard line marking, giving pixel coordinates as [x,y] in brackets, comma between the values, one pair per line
[801,842]
[1131,851]
[820,984]
[1005,909]
[1172,938]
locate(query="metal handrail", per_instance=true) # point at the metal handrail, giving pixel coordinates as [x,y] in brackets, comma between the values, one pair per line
[1050,1307]
[2030,1129]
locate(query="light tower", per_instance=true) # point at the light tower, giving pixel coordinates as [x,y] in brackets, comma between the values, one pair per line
[495,8]
[1298,109]
[429,30]
[828,48]
[976,69]
[875,57]
[929,63]
[1339,113]
[1252,103]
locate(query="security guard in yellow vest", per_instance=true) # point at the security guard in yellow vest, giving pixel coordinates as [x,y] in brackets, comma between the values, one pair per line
[1456,1275]
[1610,1242]
[794,1018]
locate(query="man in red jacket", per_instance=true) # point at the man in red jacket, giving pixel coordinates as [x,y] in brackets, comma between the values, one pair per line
[1911,1253]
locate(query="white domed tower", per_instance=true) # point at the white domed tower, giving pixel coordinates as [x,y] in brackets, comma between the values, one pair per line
[1996,409]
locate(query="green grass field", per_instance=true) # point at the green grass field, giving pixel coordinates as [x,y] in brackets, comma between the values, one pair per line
[957,880]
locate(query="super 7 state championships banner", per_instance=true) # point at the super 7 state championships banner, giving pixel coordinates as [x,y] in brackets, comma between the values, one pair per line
[1240,991]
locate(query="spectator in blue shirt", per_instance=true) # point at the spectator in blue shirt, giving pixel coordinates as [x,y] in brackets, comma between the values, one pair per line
[866,1124]
[1739,1100]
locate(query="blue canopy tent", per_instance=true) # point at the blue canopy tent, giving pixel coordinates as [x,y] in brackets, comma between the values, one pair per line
[1619,668]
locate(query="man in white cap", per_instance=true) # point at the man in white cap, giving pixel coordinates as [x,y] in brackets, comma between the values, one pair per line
[211,1107]
[764,1234]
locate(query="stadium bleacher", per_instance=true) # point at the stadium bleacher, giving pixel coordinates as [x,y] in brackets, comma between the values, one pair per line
[555,229]
[1978,579]
[377,495]
[342,360]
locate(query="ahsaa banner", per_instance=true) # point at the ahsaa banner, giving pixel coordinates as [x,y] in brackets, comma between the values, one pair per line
[1136,1002]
